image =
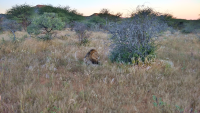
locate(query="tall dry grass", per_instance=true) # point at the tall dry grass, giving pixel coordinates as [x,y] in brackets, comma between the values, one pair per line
[50,76]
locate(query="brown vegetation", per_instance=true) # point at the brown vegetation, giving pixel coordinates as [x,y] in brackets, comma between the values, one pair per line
[50,76]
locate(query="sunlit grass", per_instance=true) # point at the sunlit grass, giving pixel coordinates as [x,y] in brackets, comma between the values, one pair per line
[50,76]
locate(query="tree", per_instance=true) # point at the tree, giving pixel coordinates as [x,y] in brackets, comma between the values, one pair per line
[11,25]
[118,14]
[22,14]
[108,16]
[105,11]
[48,22]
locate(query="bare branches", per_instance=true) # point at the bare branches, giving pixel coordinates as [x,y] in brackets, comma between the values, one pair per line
[81,31]
[134,37]
[11,25]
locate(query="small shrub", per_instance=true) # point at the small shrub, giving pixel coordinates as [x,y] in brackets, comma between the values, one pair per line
[82,33]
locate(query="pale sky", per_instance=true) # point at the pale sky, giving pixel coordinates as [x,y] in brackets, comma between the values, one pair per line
[184,9]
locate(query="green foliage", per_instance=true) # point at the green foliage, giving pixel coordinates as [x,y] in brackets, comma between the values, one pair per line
[94,23]
[64,13]
[158,102]
[168,18]
[97,20]
[191,26]
[48,22]
[22,14]
[34,29]
[188,28]
[175,23]
[127,56]
[108,16]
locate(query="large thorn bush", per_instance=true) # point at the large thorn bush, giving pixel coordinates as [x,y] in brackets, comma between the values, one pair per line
[133,39]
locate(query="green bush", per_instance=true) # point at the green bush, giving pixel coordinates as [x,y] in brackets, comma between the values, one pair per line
[48,22]
[97,20]
[95,23]
[126,56]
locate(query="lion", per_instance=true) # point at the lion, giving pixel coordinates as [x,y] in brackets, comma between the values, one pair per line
[92,57]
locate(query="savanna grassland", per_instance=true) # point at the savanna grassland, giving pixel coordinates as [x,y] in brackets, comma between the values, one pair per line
[50,76]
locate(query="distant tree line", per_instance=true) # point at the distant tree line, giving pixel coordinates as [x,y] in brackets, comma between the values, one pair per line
[25,14]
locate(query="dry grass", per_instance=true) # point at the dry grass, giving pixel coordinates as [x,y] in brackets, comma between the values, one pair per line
[7,35]
[44,77]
